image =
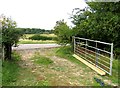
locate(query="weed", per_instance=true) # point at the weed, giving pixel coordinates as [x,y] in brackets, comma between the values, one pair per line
[43,83]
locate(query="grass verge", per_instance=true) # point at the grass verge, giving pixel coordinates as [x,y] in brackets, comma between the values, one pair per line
[0,72]
[66,52]
[10,70]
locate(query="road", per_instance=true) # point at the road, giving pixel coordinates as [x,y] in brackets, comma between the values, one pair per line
[34,46]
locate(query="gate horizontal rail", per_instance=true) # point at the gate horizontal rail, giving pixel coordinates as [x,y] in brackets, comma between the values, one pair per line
[101,60]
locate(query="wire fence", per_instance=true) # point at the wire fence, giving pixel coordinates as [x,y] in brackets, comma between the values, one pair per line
[99,54]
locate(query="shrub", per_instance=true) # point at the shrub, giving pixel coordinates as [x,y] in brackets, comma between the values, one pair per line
[117,53]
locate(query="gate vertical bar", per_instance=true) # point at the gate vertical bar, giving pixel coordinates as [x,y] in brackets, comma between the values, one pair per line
[74,43]
[86,50]
[96,55]
[111,58]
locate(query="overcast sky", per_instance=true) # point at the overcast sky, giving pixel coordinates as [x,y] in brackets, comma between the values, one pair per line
[39,13]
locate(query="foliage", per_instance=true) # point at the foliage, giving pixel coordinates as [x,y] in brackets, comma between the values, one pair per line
[9,32]
[99,21]
[117,53]
[63,32]
[39,37]
[35,31]
[10,35]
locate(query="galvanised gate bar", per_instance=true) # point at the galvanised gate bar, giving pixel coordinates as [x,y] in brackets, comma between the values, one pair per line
[97,53]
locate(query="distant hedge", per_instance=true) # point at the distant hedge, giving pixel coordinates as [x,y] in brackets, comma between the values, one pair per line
[39,37]
[35,31]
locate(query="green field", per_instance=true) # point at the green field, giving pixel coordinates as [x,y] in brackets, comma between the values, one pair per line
[25,39]
[48,35]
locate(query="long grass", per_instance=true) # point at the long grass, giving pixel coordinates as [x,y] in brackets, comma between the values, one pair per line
[0,72]
[10,70]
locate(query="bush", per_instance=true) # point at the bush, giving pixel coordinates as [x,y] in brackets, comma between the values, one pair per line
[63,32]
[39,37]
[117,53]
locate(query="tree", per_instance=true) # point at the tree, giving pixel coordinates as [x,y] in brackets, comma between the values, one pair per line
[101,21]
[63,32]
[10,35]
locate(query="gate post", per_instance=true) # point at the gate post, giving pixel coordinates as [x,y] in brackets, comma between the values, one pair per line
[111,58]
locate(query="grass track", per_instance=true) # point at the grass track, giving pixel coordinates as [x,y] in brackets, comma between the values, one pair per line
[65,70]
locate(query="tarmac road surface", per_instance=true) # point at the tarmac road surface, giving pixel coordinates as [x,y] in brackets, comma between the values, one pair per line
[34,46]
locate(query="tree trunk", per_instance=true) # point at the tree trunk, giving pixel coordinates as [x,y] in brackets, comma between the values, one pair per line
[8,51]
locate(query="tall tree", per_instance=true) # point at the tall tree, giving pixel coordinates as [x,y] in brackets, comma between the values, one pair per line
[10,35]
[63,32]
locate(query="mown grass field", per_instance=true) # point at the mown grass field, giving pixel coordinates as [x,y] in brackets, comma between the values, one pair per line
[52,67]
[25,39]
[48,35]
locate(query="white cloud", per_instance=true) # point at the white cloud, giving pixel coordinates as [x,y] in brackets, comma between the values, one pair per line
[39,13]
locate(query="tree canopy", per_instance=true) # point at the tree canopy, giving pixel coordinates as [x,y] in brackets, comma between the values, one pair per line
[10,35]
[63,32]
[35,31]
[99,21]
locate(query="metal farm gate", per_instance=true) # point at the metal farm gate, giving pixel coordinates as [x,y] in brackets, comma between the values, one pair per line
[93,52]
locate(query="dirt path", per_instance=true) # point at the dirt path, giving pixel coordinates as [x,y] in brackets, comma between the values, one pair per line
[61,73]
